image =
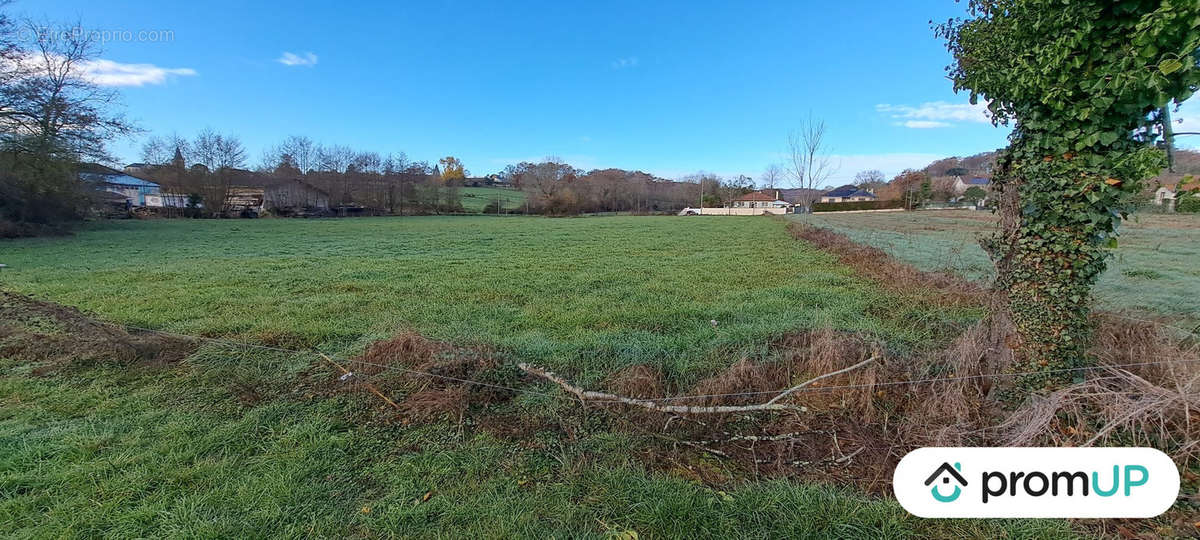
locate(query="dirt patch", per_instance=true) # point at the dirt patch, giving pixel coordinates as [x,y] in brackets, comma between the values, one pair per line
[428,379]
[50,337]
[940,288]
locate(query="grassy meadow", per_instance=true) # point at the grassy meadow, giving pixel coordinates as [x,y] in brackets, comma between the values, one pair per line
[588,295]
[475,199]
[1155,270]
[119,450]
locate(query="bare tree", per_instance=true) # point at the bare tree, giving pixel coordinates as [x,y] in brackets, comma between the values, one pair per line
[870,179]
[808,162]
[220,155]
[51,117]
[772,176]
[156,151]
[48,106]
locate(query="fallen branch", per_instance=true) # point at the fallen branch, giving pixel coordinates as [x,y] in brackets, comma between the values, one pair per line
[585,395]
[796,388]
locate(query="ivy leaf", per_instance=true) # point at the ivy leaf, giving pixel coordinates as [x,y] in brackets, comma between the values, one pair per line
[1169,66]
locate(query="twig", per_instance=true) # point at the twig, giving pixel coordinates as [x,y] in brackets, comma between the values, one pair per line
[793,389]
[368,385]
[585,395]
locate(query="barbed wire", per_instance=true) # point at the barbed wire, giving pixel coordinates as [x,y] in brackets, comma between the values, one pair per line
[825,388]
[351,361]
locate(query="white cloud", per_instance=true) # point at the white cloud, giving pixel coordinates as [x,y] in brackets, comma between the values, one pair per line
[308,59]
[935,114]
[110,73]
[924,124]
[622,63]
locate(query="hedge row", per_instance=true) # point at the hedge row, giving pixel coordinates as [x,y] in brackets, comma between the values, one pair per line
[859,205]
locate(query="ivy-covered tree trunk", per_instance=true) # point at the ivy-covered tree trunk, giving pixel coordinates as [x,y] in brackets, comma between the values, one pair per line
[1081,83]
[1058,217]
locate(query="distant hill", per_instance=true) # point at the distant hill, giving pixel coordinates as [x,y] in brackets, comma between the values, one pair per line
[941,171]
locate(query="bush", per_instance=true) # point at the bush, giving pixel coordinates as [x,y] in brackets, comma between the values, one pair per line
[1188,202]
[861,205]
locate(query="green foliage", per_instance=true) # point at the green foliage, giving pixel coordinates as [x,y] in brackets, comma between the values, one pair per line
[1079,81]
[975,193]
[857,205]
[1188,202]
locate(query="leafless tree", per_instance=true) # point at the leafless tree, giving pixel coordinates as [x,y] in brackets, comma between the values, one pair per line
[220,156]
[155,151]
[870,179]
[52,115]
[808,162]
[48,105]
[772,176]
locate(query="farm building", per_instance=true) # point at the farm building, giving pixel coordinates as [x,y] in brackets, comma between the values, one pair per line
[847,193]
[135,190]
[763,198]
[962,185]
[242,199]
[289,196]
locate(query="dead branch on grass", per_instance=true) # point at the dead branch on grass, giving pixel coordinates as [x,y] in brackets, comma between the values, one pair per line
[772,405]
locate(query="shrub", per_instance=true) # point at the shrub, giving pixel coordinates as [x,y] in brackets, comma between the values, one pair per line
[860,205]
[1188,202]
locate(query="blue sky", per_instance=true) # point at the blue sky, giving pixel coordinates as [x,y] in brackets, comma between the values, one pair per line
[669,88]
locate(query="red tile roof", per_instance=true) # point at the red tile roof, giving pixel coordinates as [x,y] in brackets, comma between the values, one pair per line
[757,196]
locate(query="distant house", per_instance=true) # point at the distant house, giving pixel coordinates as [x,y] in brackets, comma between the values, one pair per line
[136,191]
[137,168]
[1166,194]
[847,193]
[961,185]
[288,196]
[763,198]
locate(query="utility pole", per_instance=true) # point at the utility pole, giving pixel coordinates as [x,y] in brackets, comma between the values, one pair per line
[1168,136]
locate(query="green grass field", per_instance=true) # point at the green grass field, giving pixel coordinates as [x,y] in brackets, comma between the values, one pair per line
[108,449]
[1155,269]
[474,199]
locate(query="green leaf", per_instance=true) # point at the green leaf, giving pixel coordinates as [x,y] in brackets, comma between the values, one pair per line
[1169,66]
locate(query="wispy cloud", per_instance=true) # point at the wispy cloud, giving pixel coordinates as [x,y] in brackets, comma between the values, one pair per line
[110,73]
[935,114]
[924,124]
[307,59]
[622,63]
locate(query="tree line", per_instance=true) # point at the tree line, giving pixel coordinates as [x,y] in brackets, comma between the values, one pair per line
[52,118]
[211,166]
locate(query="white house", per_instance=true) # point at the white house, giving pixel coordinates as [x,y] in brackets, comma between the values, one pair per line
[762,198]
[1166,194]
[847,193]
[961,186]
